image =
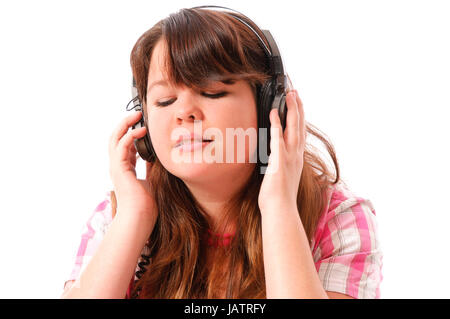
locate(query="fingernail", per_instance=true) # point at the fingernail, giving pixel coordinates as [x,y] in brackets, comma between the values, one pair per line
[273,114]
[292,93]
[289,82]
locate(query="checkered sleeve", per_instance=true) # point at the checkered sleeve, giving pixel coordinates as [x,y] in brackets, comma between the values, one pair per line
[347,252]
[92,234]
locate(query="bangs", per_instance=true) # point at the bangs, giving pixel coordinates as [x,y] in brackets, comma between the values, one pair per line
[202,47]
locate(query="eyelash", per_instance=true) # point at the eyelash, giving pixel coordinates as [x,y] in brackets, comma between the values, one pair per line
[212,96]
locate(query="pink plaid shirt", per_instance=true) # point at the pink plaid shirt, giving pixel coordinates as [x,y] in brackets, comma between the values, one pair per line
[345,248]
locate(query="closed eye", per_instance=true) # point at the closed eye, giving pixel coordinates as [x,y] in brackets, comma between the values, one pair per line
[211,96]
[215,96]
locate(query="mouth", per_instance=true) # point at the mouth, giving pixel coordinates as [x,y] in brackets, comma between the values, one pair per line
[191,145]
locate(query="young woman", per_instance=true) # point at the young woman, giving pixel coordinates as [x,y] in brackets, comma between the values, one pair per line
[221,229]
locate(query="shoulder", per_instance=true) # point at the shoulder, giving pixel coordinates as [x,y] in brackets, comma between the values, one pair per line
[93,231]
[345,210]
[102,215]
[346,246]
[97,223]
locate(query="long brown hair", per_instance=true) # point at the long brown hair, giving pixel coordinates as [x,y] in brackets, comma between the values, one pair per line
[204,44]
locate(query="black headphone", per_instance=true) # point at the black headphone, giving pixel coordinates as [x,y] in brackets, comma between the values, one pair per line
[272,94]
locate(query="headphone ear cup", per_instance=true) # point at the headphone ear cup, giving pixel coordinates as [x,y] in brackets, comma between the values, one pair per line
[269,99]
[282,109]
[265,98]
[144,145]
[265,104]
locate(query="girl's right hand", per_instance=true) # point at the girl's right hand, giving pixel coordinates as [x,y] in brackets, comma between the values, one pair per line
[132,195]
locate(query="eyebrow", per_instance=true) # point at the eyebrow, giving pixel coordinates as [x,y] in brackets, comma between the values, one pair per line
[165,83]
[160,82]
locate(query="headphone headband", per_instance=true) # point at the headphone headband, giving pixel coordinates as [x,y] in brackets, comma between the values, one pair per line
[218,8]
[274,54]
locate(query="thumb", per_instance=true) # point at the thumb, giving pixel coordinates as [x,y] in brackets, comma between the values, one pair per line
[276,140]
[276,130]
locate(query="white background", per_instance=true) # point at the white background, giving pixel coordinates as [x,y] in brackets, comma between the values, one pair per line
[373,75]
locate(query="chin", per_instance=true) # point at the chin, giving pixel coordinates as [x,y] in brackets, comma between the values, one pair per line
[195,172]
[188,170]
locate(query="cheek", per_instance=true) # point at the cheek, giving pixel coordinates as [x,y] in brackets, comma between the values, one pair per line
[240,114]
[241,141]
[158,135]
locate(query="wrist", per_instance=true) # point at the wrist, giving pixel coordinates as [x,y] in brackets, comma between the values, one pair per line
[141,220]
[278,208]
[136,211]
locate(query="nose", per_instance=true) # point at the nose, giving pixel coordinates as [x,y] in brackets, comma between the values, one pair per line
[187,108]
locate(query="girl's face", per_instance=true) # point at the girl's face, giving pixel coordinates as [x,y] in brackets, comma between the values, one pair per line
[182,108]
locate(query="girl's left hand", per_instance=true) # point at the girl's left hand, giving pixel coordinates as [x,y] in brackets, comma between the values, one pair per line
[281,181]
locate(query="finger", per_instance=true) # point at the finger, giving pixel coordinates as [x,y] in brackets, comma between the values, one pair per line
[302,122]
[132,158]
[276,131]
[123,127]
[133,149]
[132,154]
[276,142]
[291,133]
[127,140]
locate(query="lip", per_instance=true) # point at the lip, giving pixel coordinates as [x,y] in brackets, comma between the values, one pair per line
[192,145]
[193,139]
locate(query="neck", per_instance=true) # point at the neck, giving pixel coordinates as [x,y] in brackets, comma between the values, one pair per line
[215,198]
